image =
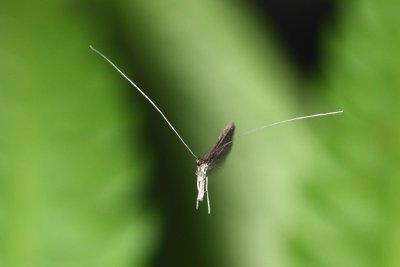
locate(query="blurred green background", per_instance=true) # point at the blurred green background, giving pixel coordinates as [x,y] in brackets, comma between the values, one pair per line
[90,174]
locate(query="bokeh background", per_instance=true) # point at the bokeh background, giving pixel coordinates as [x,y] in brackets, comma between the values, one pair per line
[90,174]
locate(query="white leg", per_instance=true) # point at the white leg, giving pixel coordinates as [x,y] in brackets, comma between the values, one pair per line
[208,199]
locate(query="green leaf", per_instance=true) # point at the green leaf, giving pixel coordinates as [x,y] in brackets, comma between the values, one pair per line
[351,212]
[72,168]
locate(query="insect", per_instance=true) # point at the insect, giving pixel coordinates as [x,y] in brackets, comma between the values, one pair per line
[216,154]
[220,149]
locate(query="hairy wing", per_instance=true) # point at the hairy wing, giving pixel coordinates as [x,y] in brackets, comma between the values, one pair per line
[221,148]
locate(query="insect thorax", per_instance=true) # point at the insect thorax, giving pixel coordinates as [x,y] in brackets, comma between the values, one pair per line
[201,171]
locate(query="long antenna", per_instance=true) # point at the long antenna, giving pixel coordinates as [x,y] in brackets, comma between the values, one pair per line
[280,122]
[285,121]
[154,105]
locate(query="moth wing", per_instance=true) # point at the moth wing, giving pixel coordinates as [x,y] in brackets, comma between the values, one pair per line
[222,147]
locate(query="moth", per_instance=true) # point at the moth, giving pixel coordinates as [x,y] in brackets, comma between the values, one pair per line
[221,148]
[216,154]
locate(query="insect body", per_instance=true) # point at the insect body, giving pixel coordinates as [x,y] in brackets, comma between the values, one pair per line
[216,154]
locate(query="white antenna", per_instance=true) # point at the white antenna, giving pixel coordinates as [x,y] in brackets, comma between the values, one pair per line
[280,122]
[285,121]
[154,105]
